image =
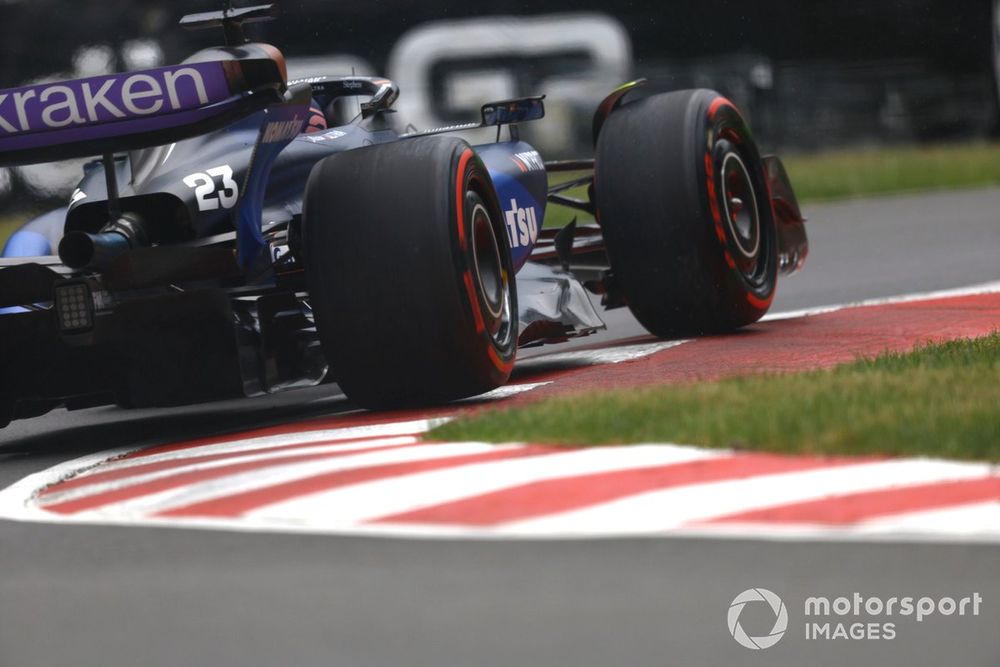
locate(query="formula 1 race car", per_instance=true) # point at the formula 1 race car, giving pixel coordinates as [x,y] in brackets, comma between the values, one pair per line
[241,235]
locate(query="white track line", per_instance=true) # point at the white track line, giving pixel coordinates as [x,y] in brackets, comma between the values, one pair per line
[602,355]
[234,443]
[672,508]
[992,287]
[505,391]
[370,500]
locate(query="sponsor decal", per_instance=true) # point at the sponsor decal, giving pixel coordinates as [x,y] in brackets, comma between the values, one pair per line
[320,137]
[529,161]
[278,251]
[78,194]
[211,195]
[522,225]
[308,79]
[109,98]
[282,130]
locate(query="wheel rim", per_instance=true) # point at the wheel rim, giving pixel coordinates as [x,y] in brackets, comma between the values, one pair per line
[486,257]
[741,206]
[492,280]
[745,236]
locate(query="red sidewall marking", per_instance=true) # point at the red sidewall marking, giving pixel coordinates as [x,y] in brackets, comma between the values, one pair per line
[718,102]
[470,288]
[463,161]
[762,304]
[504,366]
[713,206]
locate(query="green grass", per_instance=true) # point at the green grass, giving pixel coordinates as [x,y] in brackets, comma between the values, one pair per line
[559,216]
[940,400]
[858,173]
[865,172]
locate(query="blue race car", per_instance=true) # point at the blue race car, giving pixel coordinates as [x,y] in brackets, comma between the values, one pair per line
[242,234]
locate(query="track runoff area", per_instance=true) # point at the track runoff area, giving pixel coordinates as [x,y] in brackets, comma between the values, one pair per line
[374,474]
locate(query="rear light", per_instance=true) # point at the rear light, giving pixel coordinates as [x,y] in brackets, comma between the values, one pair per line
[74,307]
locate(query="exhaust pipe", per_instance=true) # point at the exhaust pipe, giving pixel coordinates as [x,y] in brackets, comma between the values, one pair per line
[95,252]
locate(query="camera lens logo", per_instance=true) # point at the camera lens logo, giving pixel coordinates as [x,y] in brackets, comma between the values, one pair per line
[780,618]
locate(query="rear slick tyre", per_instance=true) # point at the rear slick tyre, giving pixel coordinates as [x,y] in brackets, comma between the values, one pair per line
[683,203]
[409,272]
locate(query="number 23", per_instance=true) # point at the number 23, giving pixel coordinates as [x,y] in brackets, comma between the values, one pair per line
[208,196]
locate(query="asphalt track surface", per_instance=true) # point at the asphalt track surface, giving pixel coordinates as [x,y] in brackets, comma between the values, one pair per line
[87,595]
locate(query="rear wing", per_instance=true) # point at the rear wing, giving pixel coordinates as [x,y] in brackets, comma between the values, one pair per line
[132,110]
